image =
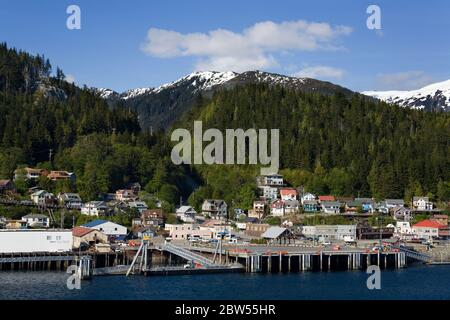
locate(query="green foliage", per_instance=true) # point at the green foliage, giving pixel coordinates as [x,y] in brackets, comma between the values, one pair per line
[273,221]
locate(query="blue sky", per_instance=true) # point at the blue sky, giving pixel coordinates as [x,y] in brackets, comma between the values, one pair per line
[325,39]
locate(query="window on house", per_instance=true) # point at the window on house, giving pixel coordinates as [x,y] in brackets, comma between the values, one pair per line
[49,238]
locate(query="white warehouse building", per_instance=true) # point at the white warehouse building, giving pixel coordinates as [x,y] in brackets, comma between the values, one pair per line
[26,241]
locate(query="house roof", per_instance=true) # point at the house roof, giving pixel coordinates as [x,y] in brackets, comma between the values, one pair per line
[94,223]
[331,203]
[273,232]
[288,191]
[326,198]
[429,224]
[36,216]
[81,231]
[183,209]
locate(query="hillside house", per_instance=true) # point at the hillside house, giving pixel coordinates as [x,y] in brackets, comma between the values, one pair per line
[70,200]
[216,209]
[288,194]
[95,208]
[331,207]
[186,214]
[36,221]
[307,197]
[422,203]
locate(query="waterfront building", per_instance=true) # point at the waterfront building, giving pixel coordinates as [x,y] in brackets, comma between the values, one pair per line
[429,229]
[256,229]
[330,232]
[180,231]
[35,240]
[278,235]
[107,227]
[87,237]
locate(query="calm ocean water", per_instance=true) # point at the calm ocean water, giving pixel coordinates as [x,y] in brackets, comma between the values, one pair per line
[420,282]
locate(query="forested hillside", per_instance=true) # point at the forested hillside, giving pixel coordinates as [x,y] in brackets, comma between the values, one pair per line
[340,145]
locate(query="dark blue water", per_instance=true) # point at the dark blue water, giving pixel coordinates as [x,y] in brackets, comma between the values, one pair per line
[421,282]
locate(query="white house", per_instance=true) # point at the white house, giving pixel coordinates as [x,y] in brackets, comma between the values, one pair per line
[288,194]
[42,197]
[330,232]
[94,208]
[36,220]
[422,203]
[428,229]
[186,214]
[277,208]
[307,197]
[331,207]
[403,228]
[270,180]
[270,193]
[180,231]
[70,200]
[107,227]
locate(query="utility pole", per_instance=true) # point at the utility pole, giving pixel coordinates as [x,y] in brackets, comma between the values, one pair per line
[50,153]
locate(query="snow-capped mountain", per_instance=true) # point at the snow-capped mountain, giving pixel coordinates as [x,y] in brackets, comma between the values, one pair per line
[159,107]
[434,97]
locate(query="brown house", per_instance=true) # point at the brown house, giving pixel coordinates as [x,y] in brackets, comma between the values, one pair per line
[152,217]
[7,186]
[88,237]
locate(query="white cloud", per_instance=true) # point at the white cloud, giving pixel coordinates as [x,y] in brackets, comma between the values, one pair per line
[253,48]
[320,72]
[408,80]
[70,78]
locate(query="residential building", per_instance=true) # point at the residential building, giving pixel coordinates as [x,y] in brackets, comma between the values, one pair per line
[29,173]
[186,214]
[15,224]
[61,175]
[140,206]
[180,231]
[269,193]
[422,204]
[42,198]
[30,241]
[152,218]
[291,206]
[94,208]
[259,209]
[352,206]
[87,237]
[401,213]
[274,180]
[441,218]
[392,203]
[125,195]
[37,220]
[403,228]
[135,187]
[288,194]
[367,204]
[277,208]
[326,198]
[331,207]
[429,229]
[311,206]
[107,227]
[6,185]
[307,197]
[216,209]
[70,200]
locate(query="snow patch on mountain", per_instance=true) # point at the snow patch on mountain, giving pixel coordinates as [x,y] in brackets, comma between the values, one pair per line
[432,97]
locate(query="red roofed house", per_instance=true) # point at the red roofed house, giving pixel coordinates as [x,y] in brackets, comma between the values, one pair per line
[288,194]
[87,237]
[326,198]
[428,229]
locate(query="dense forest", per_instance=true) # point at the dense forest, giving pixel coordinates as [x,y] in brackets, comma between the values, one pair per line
[339,144]
[347,146]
